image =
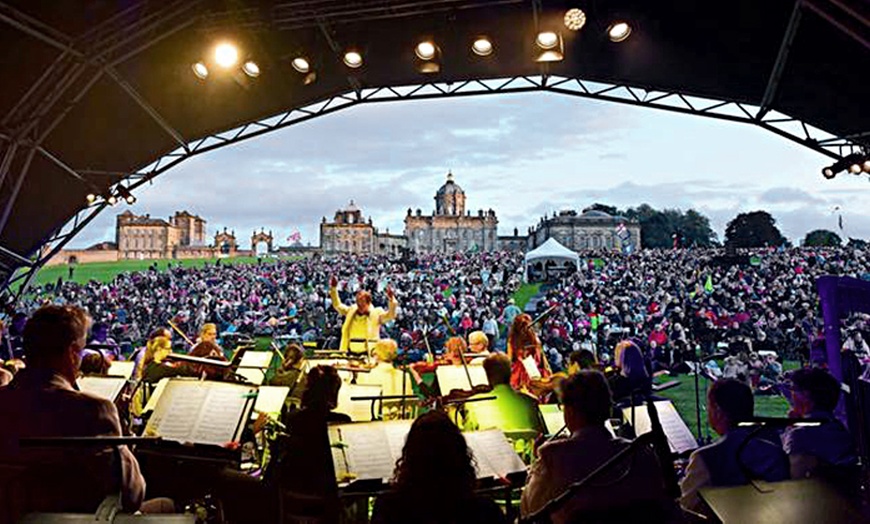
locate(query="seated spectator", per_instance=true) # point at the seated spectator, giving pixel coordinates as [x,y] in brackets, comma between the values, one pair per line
[635,486]
[510,410]
[817,450]
[41,402]
[722,463]
[434,480]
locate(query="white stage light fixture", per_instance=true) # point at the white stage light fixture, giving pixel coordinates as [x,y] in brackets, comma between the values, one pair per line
[91,198]
[867,165]
[251,69]
[575,19]
[828,173]
[618,31]
[112,200]
[855,169]
[353,59]
[200,70]
[482,46]
[425,50]
[547,39]
[301,64]
[226,55]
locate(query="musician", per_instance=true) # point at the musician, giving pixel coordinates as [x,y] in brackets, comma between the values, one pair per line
[478,343]
[362,322]
[208,333]
[291,373]
[207,349]
[42,401]
[391,379]
[730,402]
[154,365]
[637,482]
[510,410]
[580,360]
[632,377]
[436,462]
[524,342]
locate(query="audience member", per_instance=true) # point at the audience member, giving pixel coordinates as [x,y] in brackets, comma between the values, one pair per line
[434,480]
[732,460]
[634,487]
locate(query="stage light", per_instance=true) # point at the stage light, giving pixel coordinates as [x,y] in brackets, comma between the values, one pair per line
[547,40]
[855,168]
[618,31]
[251,69]
[575,19]
[828,173]
[91,198]
[300,63]
[482,46]
[226,55]
[551,47]
[867,165]
[353,59]
[310,78]
[112,200]
[200,70]
[425,50]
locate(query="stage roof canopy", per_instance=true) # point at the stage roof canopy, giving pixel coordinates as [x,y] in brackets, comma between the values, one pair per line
[95,92]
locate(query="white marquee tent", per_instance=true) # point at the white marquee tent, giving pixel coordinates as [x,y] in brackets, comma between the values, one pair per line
[550,251]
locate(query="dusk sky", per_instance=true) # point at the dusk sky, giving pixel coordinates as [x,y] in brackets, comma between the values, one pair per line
[522,155]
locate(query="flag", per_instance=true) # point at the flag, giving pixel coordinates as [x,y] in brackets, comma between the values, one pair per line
[708,286]
[295,236]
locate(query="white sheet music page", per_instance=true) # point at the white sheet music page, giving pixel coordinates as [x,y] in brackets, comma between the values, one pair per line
[495,455]
[454,377]
[122,368]
[531,367]
[370,449]
[357,410]
[103,387]
[256,359]
[270,400]
[680,438]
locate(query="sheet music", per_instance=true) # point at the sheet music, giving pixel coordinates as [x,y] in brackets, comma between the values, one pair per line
[104,387]
[531,367]
[495,456]
[270,399]
[122,368]
[156,394]
[372,449]
[346,376]
[553,417]
[680,438]
[200,412]
[454,377]
[252,375]
[256,359]
[357,410]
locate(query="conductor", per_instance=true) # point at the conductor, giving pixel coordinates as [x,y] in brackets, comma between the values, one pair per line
[362,322]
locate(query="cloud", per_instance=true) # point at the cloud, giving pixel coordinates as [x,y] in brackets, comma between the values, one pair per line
[789,195]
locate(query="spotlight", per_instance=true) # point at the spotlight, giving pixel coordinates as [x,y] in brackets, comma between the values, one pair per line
[855,168]
[251,69]
[828,173]
[547,40]
[551,47]
[112,200]
[226,55]
[867,165]
[425,50]
[200,70]
[482,46]
[575,19]
[91,198]
[300,63]
[618,31]
[353,59]
[125,193]
[310,78]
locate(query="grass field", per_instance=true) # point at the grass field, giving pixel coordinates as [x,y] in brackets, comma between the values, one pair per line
[106,271]
[524,293]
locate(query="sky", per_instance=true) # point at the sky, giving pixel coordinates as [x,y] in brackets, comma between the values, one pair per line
[522,155]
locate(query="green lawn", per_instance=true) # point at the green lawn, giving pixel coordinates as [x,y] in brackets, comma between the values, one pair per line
[106,271]
[525,292]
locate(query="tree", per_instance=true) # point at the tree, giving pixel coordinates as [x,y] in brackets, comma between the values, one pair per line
[755,229]
[822,238]
[659,227]
[610,210]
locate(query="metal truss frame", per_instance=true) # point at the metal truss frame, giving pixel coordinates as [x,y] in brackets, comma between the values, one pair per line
[790,128]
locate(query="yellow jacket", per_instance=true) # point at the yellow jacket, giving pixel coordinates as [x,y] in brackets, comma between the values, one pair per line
[376,318]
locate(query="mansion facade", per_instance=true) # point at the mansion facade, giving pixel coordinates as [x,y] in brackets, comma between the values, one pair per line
[451,228]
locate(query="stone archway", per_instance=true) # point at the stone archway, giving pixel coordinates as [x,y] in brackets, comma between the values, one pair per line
[260,238]
[225,243]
